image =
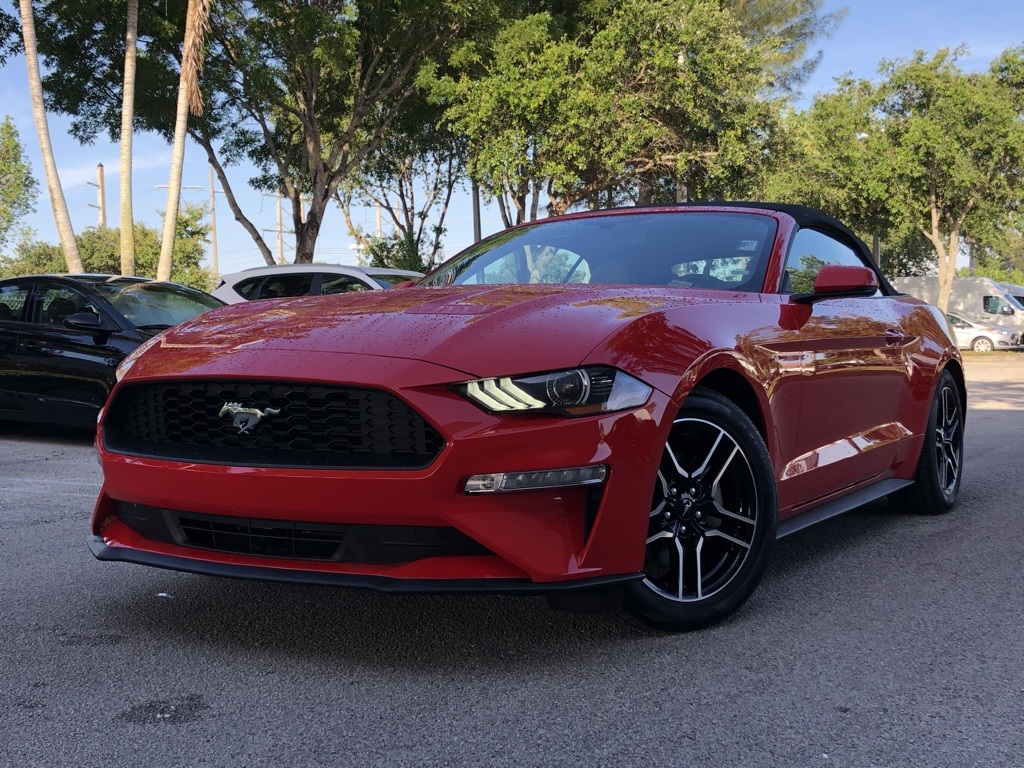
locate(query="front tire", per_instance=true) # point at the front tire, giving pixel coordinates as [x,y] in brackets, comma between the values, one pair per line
[938,475]
[712,522]
[981,344]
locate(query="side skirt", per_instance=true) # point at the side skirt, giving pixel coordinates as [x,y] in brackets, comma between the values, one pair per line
[839,506]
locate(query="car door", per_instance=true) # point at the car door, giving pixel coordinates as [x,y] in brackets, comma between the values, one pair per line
[853,376]
[13,305]
[64,373]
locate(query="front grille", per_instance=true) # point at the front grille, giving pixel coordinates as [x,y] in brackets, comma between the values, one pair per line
[316,426]
[329,542]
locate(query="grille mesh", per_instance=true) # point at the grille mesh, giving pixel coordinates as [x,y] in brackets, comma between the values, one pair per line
[317,425]
[333,542]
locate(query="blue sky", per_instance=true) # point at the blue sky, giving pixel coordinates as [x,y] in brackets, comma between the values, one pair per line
[873,30]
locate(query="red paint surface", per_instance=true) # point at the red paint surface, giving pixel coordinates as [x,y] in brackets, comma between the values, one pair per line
[842,389]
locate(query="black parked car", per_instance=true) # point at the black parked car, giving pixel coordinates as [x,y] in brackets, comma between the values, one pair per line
[62,337]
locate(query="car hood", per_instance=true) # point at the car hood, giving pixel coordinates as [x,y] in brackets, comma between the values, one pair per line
[481,331]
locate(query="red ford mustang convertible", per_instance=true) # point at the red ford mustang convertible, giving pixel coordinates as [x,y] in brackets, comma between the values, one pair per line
[621,409]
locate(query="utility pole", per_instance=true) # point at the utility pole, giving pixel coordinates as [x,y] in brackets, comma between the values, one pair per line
[101,196]
[280,230]
[476,214]
[213,225]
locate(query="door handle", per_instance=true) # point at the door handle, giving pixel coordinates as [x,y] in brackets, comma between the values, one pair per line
[893,337]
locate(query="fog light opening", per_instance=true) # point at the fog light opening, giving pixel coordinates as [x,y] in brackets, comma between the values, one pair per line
[500,482]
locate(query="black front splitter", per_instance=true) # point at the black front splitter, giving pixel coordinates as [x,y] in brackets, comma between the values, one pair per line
[596,584]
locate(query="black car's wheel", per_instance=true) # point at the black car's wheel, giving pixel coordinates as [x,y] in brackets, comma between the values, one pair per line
[939,468]
[981,344]
[712,521]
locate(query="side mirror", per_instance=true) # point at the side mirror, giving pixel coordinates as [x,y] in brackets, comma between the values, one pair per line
[86,321]
[1007,310]
[840,280]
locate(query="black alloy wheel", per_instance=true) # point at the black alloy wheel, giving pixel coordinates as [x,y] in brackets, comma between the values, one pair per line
[712,520]
[939,470]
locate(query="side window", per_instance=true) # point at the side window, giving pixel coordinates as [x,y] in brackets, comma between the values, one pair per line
[331,284]
[809,252]
[247,287]
[58,303]
[12,302]
[956,322]
[281,286]
[996,305]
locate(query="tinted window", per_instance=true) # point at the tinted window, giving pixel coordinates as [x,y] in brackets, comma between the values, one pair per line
[58,303]
[246,287]
[704,250]
[341,284]
[12,301]
[280,286]
[809,252]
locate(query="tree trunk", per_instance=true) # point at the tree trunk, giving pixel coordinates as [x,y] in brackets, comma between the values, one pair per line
[127,113]
[947,269]
[60,206]
[196,19]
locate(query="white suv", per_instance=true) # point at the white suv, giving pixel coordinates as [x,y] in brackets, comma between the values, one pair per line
[306,280]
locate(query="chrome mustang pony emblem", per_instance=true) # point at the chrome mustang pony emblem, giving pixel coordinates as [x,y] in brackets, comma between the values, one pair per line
[245,418]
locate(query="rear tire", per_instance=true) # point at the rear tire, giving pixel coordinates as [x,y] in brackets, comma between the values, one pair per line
[712,521]
[938,476]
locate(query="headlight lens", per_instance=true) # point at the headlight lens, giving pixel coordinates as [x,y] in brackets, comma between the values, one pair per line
[575,392]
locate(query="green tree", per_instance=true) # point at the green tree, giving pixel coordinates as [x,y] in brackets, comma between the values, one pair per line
[670,88]
[952,149]
[18,188]
[928,156]
[410,177]
[304,89]
[792,26]
[101,252]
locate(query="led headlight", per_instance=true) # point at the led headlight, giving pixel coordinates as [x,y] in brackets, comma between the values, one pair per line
[575,392]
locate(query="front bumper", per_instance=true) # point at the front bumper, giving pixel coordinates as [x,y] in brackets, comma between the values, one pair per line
[535,541]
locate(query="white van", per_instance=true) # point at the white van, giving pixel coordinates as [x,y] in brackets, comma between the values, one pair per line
[1016,291]
[976,298]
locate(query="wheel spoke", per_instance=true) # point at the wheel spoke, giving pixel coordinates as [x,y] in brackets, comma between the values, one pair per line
[675,462]
[682,561]
[725,466]
[700,575]
[714,533]
[723,511]
[660,535]
[707,459]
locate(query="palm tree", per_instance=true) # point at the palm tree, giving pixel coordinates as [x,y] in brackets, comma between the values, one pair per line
[127,114]
[60,206]
[197,20]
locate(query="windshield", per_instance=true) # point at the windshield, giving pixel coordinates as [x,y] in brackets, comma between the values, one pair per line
[1016,301]
[156,305]
[693,249]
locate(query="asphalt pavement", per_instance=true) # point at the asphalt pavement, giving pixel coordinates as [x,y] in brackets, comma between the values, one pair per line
[876,639]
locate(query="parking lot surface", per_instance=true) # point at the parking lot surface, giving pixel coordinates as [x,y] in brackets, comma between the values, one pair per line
[877,639]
